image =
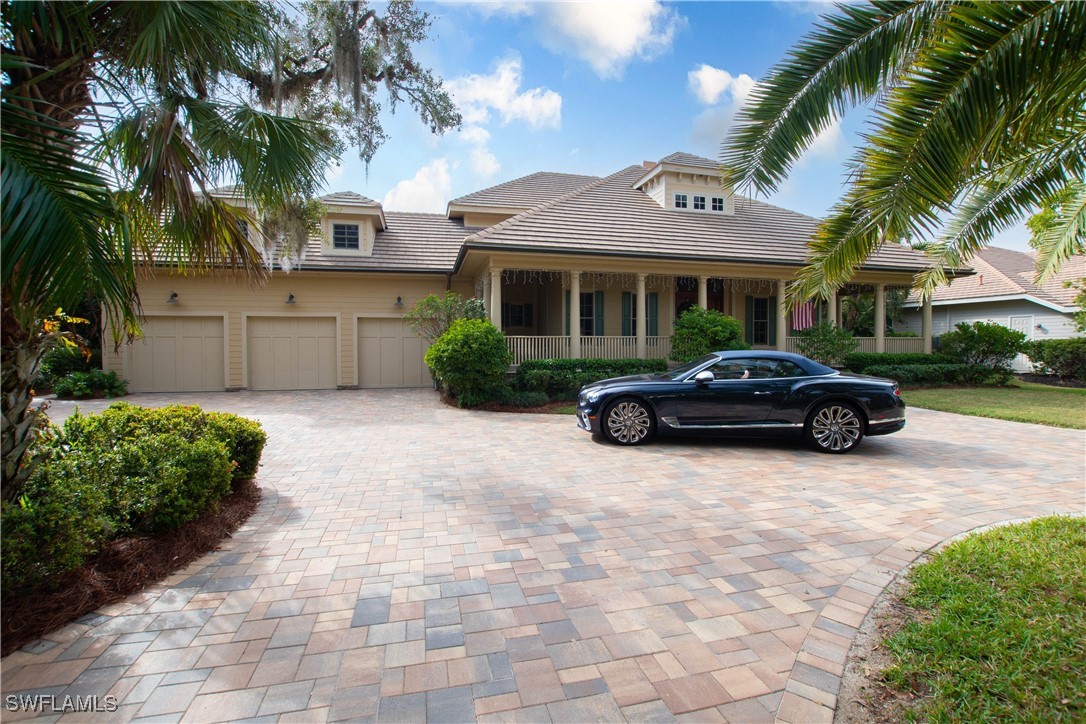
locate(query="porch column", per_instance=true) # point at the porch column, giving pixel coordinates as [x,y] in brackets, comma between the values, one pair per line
[496,297]
[703,292]
[782,315]
[641,316]
[486,294]
[831,308]
[575,315]
[880,317]
[737,303]
[925,324]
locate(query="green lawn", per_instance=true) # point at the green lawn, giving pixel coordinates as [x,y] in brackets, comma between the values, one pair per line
[1019,401]
[995,627]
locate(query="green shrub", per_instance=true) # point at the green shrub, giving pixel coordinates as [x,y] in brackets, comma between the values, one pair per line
[1063,357]
[59,520]
[861,361]
[982,344]
[61,361]
[826,343]
[432,315]
[471,358]
[700,331]
[562,379]
[941,374]
[244,438]
[95,383]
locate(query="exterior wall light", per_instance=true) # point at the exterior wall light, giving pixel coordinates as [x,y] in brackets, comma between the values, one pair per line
[290,298]
[399,301]
[172,299]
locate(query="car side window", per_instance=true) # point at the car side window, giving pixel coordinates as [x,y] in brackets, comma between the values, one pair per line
[732,369]
[788,369]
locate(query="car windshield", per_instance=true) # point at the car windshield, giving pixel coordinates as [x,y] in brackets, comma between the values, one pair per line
[680,372]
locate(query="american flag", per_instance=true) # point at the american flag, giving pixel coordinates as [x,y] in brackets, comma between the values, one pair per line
[803,316]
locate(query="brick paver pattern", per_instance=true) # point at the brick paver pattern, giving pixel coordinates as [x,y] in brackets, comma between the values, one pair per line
[411,561]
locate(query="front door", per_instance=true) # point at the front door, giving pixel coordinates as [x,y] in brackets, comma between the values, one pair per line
[1023,324]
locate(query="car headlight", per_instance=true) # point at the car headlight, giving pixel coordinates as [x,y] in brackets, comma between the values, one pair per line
[592,394]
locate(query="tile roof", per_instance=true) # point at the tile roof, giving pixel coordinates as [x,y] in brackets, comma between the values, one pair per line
[425,243]
[348,198]
[689,159]
[1005,272]
[526,191]
[609,217]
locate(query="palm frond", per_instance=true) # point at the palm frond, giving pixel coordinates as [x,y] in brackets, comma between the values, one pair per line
[1066,237]
[842,63]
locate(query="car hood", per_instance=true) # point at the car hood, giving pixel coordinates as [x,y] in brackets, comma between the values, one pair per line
[618,381]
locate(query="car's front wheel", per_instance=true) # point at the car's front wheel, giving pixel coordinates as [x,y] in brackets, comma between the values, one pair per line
[834,427]
[628,422]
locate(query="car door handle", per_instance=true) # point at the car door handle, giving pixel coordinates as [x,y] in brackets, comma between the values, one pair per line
[763,393]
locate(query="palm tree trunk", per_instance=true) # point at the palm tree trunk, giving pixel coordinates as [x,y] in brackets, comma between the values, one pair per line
[22,355]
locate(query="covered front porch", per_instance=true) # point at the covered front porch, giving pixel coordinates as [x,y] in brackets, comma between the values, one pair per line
[576,314]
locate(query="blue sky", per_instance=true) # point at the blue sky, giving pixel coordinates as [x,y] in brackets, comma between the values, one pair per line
[591,88]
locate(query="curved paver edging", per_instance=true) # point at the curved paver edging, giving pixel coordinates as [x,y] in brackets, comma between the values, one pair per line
[814,698]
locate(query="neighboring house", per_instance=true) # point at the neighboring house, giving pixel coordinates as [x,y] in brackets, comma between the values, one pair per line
[1002,290]
[569,266]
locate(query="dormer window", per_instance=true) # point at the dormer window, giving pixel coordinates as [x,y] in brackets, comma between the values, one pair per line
[680,201]
[345,236]
[699,203]
[718,203]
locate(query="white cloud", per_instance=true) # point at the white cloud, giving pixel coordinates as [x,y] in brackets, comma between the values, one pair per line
[484,163]
[478,95]
[475,134]
[427,191]
[609,35]
[828,144]
[709,84]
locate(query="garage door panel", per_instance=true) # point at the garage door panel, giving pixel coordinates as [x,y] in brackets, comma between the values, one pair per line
[390,355]
[288,353]
[178,354]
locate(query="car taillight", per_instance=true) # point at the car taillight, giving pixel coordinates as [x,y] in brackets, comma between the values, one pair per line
[897,392]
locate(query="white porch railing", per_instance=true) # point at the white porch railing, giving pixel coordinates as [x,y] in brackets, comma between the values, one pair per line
[557,347]
[896,345]
[552,347]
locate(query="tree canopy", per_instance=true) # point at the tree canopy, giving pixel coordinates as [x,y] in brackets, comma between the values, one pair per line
[978,116]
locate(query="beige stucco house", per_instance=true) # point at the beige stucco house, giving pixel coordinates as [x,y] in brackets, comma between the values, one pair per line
[569,266]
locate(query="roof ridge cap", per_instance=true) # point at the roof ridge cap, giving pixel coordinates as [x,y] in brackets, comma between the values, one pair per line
[479,236]
[978,257]
[518,178]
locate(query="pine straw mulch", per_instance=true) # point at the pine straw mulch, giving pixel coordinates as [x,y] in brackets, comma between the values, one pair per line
[125,566]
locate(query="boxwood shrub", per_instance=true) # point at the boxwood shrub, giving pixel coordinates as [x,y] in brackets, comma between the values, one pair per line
[941,374]
[95,383]
[126,471]
[861,361]
[1063,357]
[561,379]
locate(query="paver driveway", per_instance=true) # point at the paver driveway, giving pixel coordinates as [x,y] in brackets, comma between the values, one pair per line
[411,561]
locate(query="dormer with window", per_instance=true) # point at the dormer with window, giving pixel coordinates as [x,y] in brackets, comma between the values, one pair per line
[687,183]
[350,224]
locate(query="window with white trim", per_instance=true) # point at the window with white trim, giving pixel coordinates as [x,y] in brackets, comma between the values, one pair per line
[699,203]
[718,203]
[680,201]
[588,314]
[345,236]
[760,329]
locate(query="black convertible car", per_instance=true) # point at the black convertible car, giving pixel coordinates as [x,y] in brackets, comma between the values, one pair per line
[748,393]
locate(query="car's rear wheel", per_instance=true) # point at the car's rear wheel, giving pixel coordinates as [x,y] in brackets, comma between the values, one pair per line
[628,421]
[835,427]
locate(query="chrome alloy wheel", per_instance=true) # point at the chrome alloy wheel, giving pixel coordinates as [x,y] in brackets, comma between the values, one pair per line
[628,422]
[836,428]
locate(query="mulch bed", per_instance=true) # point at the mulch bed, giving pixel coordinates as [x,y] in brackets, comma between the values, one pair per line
[1052,380]
[125,566]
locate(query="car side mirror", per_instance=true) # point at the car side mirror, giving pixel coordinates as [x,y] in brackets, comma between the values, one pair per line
[704,377]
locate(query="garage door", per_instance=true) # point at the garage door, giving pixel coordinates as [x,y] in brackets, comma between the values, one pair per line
[390,355]
[178,354]
[292,353]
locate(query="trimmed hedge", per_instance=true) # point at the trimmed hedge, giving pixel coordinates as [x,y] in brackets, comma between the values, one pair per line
[940,374]
[95,383]
[127,471]
[562,379]
[1063,357]
[861,361]
[470,360]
